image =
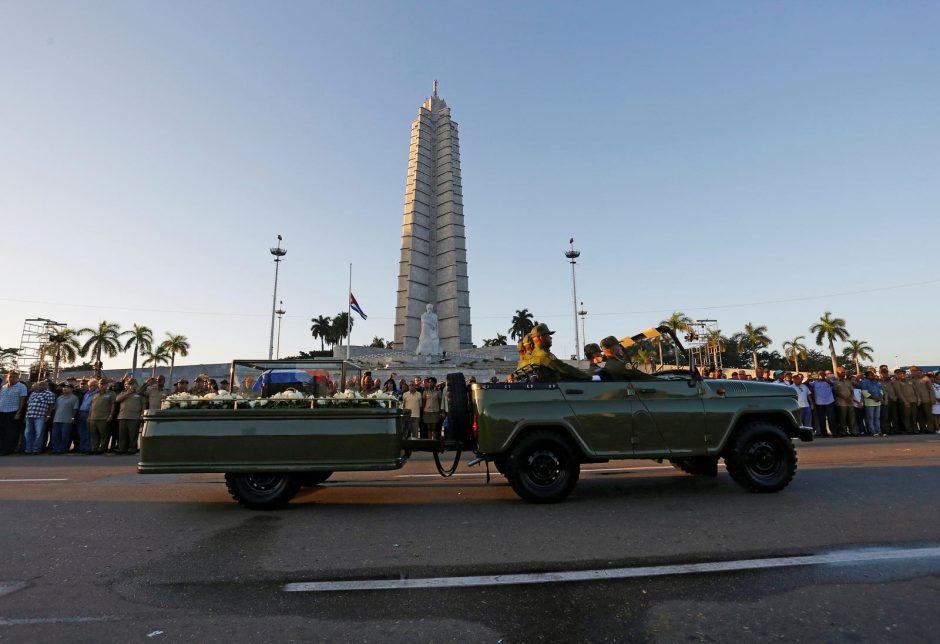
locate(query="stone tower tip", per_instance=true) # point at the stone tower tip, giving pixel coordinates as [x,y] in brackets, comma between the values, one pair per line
[435,88]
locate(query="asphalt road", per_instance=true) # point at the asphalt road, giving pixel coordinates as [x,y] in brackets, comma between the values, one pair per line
[92,551]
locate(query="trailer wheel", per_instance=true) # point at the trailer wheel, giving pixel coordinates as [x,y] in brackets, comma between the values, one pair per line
[262,490]
[312,479]
[459,418]
[541,468]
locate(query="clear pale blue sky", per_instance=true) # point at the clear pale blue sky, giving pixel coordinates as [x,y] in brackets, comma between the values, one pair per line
[707,157]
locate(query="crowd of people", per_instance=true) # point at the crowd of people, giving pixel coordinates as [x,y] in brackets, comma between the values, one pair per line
[87,416]
[875,403]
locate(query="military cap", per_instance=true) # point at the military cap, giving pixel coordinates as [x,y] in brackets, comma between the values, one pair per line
[541,329]
[609,342]
[591,348]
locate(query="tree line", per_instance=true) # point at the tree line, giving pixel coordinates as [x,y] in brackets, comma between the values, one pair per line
[748,348]
[66,345]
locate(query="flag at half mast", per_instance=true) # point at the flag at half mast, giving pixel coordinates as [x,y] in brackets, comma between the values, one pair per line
[354,305]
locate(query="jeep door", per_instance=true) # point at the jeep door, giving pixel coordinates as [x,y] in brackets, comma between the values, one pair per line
[604,414]
[670,415]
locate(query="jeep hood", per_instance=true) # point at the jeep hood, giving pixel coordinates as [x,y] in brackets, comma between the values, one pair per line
[745,389]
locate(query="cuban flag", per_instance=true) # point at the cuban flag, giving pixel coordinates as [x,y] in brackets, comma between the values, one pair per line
[354,305]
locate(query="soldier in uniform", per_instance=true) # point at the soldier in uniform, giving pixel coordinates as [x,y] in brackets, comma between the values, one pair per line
[615,364]
[548,367]
[907,397]
[889,403]
[523,355]
[592,352]
[845,408]
[923,387]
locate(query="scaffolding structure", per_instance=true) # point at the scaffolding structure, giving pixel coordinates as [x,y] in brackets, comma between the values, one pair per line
[32,362]
[703,341]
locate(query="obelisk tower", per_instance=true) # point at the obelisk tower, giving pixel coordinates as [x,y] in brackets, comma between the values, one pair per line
[433,267]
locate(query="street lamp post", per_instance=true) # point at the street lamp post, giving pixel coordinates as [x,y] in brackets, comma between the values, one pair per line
[583,315]
[280,314]
[573,255]
[278,253]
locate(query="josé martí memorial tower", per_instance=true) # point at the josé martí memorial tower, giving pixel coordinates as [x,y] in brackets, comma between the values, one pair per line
[433,267]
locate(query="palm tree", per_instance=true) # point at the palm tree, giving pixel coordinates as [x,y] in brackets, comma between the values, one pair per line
[378,343]
[175,344]
[322,328]
[857,350]
[645,356]
[341,326]
[103,339]
[795,350]
[141,338]
[498,341]
[62,345]
[158,356]
[678,321]
[752,339]
[522,323]
[831,329]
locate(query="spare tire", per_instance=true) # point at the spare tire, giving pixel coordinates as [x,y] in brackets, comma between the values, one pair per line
[459,418]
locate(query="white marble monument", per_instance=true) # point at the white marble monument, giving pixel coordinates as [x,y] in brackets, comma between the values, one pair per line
[433,266]
[429,342]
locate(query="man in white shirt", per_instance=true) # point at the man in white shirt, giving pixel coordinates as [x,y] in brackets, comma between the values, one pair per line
[805,397]
[411,400]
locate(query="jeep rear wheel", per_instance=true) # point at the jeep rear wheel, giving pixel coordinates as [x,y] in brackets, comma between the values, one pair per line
[761,458]
[541,468]
[262,490]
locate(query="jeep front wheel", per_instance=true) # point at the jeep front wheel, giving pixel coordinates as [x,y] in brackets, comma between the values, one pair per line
[541,468]
[761,458]
[262,490]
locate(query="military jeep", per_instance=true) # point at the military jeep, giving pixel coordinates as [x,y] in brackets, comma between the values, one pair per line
[539,434]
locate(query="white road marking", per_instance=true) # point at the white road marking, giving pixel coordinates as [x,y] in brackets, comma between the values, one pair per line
[5,621]
[841,557]
[28,480]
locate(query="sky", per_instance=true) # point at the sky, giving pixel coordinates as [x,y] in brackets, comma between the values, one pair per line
[757,162]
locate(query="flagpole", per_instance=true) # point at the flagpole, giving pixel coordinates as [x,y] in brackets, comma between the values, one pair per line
[349,313]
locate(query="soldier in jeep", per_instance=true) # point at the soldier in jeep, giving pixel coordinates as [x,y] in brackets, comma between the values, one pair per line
[547,367]
[616,363]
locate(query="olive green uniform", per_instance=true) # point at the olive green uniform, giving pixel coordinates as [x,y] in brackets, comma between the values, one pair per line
[845,407]
[551,369]
[132,406]
[154,396]
[907,409]
[889,407]
[99,413]
[618,369]
[923,387]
